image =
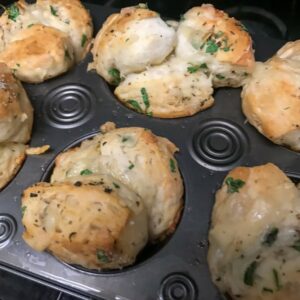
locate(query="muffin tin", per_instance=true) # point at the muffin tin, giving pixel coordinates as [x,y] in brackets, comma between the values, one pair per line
[69,109]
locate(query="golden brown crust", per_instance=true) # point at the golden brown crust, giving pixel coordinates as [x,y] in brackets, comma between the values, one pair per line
[27,53]
[270,99]
[238,40]
[101,219]
[63,27]
[12,156]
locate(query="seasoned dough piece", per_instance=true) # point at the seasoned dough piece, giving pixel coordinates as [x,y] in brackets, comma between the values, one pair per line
[138,159]
[16,113]
[208,35]
[271,98]
[131,41]
[68,16]
[38,53]
[255,235]
[12,156]
[85,224]
[168,90]
[43,40]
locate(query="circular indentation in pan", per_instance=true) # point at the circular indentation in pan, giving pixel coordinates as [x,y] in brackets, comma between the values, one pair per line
[219,144]
[149,250]
[69,106]
[177,287]
[7,229]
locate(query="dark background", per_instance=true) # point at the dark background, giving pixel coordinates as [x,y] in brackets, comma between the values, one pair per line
[278,19]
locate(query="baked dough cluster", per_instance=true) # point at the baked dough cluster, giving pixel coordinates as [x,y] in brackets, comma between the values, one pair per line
[43,40]
[271,97]
[169,69]
[107,199]
[16,118]
[255,235]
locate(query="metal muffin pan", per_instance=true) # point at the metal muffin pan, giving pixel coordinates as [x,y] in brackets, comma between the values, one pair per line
[69,109]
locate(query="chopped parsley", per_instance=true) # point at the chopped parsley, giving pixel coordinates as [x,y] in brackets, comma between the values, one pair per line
[196,68]
[270,237]
[233,185]
[135,105]
[83,40]
[102,256]
[172,165]
[296,245]
[249,274]
[215,42]
[86,172]
[131,166]
[211,47]
[219,76]
[23,210]
[13,12]
[115,74]
[116,185]
[276,279]
[53,11]
[145,98]
[30,25]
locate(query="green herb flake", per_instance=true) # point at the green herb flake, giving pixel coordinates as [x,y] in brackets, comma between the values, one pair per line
[145,98]
[226,49]
[267,290]
[116,185]
[115,74]
[125,139]
[249,274]
[196,68]
[131,166]
[270,237]
[276,279]
[233,185]
[135,105]
[30,25]
[182,18]
[18,65]
[211,47]
[219,76]
[53,11]
[296,245]
[172,165]
[13,12]
[86,172]
[102,256]
[23,210]
[84,40]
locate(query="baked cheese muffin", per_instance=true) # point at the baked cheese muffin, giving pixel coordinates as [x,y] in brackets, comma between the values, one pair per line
[106,200]
[16,118]
[254,238]
[43,40]
[270,99]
